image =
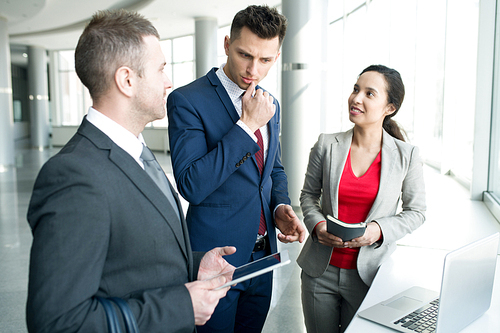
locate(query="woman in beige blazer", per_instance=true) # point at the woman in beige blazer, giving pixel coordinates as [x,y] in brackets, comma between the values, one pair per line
[330,294]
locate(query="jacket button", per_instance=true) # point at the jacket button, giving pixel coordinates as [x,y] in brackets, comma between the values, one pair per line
[244,158]
[248,154]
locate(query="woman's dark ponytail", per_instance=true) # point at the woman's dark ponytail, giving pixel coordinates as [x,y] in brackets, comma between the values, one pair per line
[393,128]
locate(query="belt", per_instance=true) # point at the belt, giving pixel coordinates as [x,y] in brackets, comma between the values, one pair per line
[261,243]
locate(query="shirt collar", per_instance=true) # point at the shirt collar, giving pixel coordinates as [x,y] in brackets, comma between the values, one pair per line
[232,88]
[118,134]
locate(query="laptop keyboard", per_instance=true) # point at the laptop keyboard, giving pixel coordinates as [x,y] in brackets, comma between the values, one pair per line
[422,320]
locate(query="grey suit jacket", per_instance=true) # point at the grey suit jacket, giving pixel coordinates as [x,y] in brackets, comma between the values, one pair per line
[401,179]
[102,227]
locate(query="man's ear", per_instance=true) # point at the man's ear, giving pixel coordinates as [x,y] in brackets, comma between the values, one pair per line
[125,80]
[227,42]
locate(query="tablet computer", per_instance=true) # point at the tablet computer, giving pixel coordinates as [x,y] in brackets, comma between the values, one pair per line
[255,268]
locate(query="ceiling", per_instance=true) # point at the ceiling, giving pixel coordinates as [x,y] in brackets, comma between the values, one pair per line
[57,24]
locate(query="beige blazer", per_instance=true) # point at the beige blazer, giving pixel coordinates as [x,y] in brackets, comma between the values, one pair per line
[401,179]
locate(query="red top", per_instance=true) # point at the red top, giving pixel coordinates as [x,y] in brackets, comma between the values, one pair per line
[356,197]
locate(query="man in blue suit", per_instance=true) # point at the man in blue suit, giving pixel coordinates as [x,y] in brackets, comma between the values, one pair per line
[226,157]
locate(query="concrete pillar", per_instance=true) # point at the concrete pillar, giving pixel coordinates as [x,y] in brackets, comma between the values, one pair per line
[39,97]
[304,61]
[6,113]
[55,103]
[205,37]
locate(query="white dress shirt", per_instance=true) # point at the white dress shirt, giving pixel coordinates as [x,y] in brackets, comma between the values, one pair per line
[118,134]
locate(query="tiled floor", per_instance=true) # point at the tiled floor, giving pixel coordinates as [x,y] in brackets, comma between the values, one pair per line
[15,237]
[452,220]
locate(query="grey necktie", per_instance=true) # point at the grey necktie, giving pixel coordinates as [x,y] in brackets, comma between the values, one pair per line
[155,171]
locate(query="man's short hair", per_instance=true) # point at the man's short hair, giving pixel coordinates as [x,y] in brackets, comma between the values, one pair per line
[265,22]
[111,39]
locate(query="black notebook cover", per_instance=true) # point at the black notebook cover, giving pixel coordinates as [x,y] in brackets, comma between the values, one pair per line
[346,231]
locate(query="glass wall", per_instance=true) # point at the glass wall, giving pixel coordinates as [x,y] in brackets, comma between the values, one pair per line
[180,68]
[433,44]
[494,171]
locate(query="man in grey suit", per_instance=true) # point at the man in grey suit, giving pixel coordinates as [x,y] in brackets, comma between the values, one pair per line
[101,226]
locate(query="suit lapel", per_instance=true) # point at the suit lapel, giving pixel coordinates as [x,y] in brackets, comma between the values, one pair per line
[141,180]
[150,190]
[339,156]
[183,223]
[273,124]
[223,95]
[388,161]
[339,150]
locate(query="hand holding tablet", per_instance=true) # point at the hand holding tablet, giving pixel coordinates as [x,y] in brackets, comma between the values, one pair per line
[255,268]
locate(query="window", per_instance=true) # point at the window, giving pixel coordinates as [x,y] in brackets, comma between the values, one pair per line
[20,94]
[494,171]
[183,61]
[179,55]
[221,35]
[433,44]
[74,97]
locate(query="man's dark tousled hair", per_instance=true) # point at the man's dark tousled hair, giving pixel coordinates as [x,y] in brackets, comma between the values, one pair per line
[265,22]
[111,39]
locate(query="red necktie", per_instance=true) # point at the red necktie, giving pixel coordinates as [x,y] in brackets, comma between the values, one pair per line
[259,157]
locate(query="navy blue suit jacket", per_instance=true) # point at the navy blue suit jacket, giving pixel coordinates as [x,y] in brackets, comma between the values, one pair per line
[215,169]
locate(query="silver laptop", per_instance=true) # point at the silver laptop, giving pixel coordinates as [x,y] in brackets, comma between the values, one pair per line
[466,288]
